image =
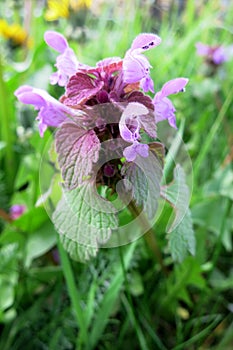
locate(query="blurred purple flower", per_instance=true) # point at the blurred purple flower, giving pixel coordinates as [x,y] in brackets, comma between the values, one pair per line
[136,67]
[16,211]
[164,108]
[214,54]
[51,111]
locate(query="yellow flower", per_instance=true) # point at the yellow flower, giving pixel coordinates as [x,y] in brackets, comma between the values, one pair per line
[80,4]
[57,9]
[13,32]
[61,8]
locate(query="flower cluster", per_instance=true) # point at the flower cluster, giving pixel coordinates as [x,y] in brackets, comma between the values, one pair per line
[114,81]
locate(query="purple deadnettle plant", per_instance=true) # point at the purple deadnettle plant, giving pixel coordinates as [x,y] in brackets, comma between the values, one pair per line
[107,131]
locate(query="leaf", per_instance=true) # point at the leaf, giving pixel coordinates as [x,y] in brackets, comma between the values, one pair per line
[182,239]
[177,194]
[213,214]
[144,176]
[39,242]
[138,96]
[221,183]
[85,221]
[77,150]
[148,124]
[80,88]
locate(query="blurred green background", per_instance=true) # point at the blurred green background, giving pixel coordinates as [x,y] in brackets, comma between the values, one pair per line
[122,299]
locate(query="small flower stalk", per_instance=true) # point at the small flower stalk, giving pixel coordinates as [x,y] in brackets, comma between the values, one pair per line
[107,131]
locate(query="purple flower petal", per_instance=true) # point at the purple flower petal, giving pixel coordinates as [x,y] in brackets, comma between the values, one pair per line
[16,211]
[56,41]
[163,107]
[129,124]
[202,49]
[145,41]
[216,54]
[135,68]
[219,55]
[147,84]
[173,86]
[66,63]
[131,152]
[51,111]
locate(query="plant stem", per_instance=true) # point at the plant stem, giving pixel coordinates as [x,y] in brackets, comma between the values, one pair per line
[5,216]
[149,236]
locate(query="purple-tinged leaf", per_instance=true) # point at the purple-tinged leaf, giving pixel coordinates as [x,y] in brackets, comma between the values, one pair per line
[77,150]
[80,88]
[138,96]
[147,123]
[110,65]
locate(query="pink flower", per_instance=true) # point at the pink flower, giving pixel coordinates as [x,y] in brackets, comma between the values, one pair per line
[16,211]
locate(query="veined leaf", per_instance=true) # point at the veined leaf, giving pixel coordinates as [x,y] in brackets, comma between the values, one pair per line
[77,150]
[182,239]
[85,221]
[144,177]
[177,194]
[181,236]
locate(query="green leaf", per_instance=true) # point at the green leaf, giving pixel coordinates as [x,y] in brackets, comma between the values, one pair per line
[182,239]
[177,194]
[77,150]
[40,242]
[31,220]
[221,183]
[213,214]
[84,220]
[144,176]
